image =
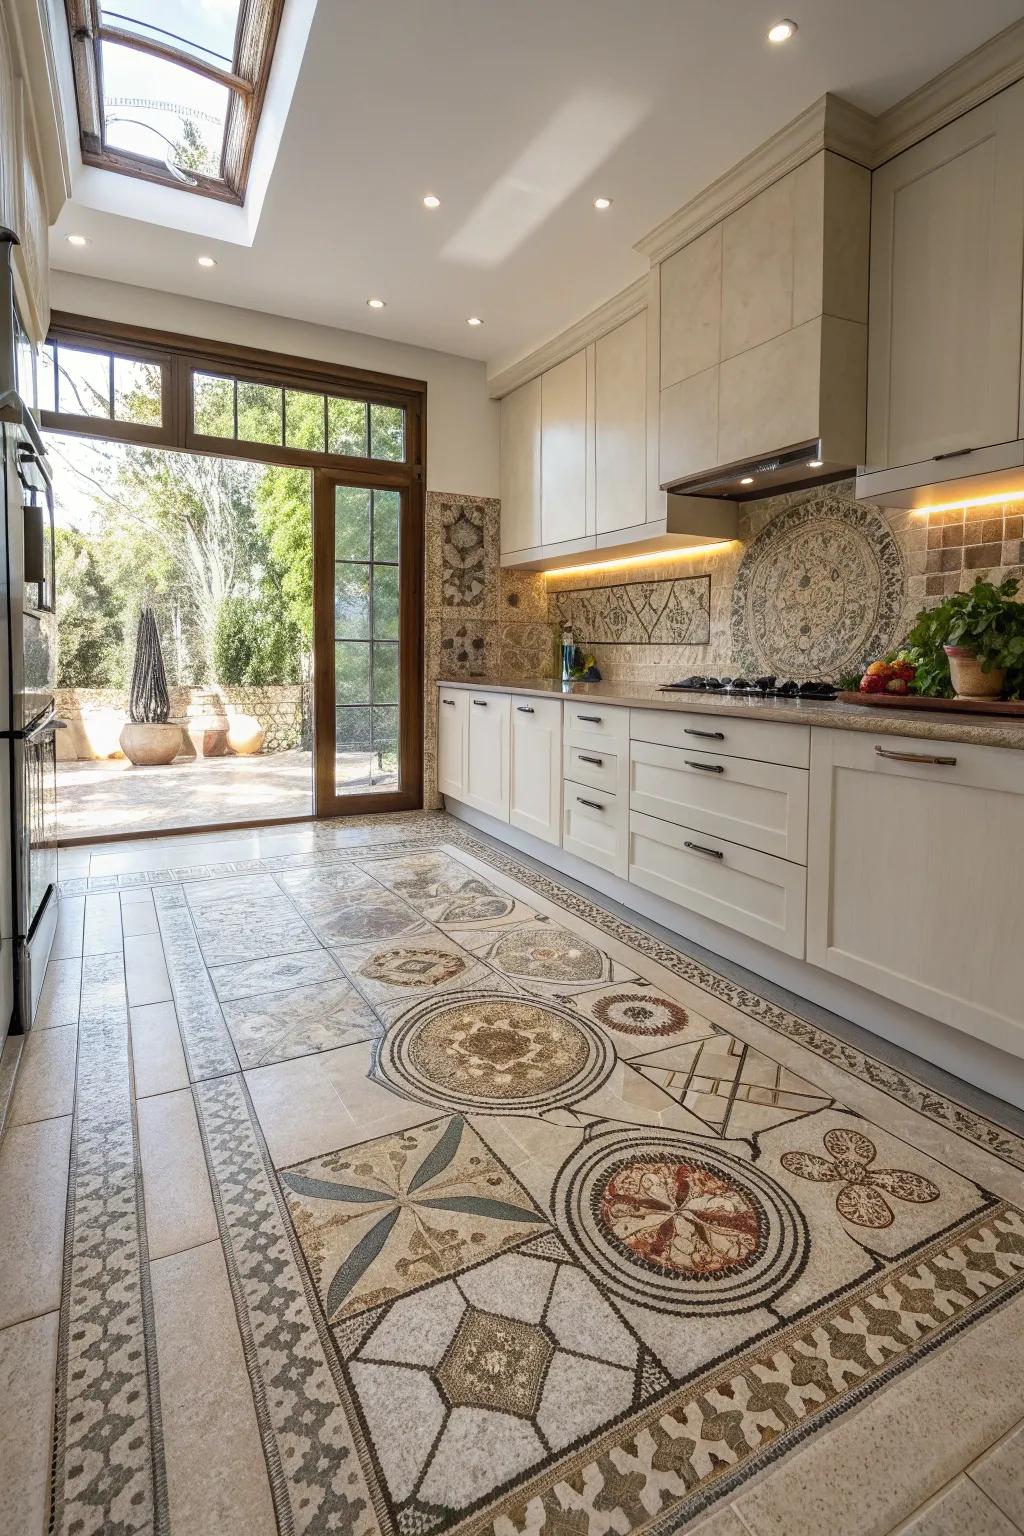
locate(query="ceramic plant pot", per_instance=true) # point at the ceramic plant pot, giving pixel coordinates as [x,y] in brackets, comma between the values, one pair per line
[245,735]
[969,681]
[150,745]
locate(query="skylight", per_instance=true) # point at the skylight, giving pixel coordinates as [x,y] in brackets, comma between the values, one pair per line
[171,90]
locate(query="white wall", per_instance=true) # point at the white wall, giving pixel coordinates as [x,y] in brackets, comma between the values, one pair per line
[462,422]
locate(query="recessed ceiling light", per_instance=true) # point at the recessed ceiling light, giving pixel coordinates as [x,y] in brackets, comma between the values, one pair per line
[376,303]
[782,31]
[602,202]
[814,463]
[747,480]
[474,320]
[77,239]
[430,201]
[205,261]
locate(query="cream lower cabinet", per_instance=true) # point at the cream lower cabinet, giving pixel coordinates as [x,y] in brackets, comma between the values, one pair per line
[452,741]
[535,777]
[914,876]
[487,753]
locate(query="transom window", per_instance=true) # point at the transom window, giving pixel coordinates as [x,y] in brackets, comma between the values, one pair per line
[172,90]
[250,412]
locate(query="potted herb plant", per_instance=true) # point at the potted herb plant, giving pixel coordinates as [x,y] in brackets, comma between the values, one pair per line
[149,738]
[972,644]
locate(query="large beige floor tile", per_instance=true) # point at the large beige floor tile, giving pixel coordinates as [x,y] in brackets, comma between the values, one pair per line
[28,1360]
[46,1077]
[373,1109]
[102,933]
[865,1474]
[60,998]
[175,1183]
[1000,1473]
[67,940]
[145,973]
[138,914]
[725,1523]
[33,1197]
[959,1510]
[216,1474]
[157,1056]
[299,1112]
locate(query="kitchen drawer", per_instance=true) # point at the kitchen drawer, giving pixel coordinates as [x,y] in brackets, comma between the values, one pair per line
[760,805]
[766,741]
[592,724]
[595,826]
[597,767]
[751,892]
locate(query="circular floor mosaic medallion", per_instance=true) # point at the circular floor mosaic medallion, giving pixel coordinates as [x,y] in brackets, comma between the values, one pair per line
[674,1223]
[638,1013]
[553,955]
[493,1052]
[412,966]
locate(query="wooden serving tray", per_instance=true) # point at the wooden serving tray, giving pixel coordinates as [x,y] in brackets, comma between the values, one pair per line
[953,706]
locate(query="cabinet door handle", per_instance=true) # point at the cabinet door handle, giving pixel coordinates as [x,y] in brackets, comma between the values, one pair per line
[525,709]
[704,767]
[595,805]
[449,701]
[480,703]
[954,453]
[598,762]
[712,853]
[590,719]
[917,757]
[711,735]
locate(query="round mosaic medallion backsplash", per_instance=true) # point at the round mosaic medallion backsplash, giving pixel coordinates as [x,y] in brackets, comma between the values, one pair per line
[493,1052]
[675,1223]
[819,591]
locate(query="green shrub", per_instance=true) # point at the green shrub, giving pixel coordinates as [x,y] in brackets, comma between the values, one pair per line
[254,644]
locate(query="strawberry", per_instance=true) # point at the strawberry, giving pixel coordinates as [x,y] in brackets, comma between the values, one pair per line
[872,682]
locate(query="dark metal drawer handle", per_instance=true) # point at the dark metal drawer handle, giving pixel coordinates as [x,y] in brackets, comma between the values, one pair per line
[711,735]
[704,767]
[598,762]
[480,703]
[917,757]
[590,719]
[525,709]
[449,701]
[595,805]
[712,853]
[954,453]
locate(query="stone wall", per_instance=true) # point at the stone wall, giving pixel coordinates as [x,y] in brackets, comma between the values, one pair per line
[95,715]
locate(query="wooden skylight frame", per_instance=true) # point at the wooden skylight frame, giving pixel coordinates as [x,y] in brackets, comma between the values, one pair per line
[246,83]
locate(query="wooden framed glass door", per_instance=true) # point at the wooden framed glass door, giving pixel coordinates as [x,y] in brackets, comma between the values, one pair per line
[368,642]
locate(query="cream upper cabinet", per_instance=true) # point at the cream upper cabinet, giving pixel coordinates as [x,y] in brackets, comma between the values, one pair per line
[565,433]
[620,426]
[22,200]
[914,876]
[947,266]
[520,468]
[763,326]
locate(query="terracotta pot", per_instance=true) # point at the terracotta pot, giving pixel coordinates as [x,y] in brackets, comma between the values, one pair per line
[969,681]
[245,735]
[147,745]
[208,734]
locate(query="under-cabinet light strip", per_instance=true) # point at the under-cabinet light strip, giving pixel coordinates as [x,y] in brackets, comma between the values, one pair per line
[656,558]
[974,501]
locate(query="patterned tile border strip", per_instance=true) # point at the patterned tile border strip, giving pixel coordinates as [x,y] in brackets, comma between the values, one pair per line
[108,1448]
[205,1036]
[318,1480]
[436,826]
[666,1466]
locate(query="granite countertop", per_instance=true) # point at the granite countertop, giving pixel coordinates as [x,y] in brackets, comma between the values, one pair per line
[982,730]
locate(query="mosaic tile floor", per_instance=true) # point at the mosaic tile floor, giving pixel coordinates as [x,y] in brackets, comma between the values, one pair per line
[411,1192]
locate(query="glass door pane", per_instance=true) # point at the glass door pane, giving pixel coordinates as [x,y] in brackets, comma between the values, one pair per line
[366,673]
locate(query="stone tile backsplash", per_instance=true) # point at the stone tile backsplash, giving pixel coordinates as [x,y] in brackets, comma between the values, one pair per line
[815,584]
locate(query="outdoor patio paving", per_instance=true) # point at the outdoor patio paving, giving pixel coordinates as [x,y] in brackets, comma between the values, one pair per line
[110,795]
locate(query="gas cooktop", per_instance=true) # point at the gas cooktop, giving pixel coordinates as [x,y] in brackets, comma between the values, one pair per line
[758,687]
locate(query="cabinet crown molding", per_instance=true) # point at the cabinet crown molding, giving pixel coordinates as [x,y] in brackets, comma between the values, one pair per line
[631,301]
[828,123]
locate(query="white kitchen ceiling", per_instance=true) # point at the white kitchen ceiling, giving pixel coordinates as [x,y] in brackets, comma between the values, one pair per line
[517,114]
